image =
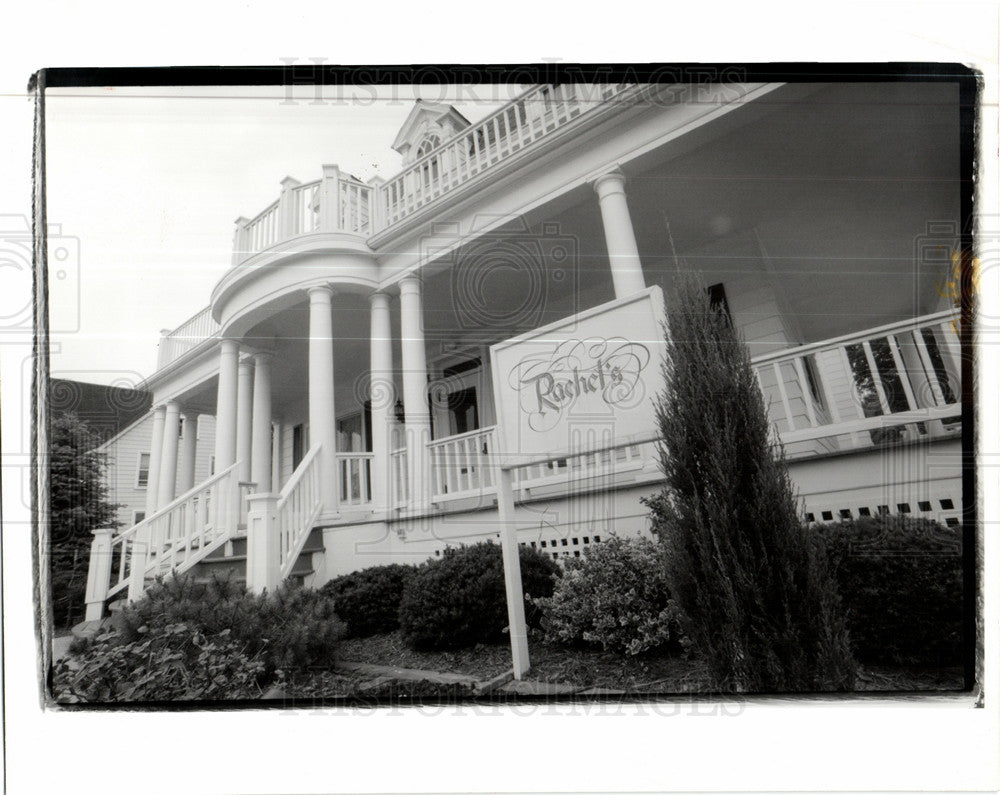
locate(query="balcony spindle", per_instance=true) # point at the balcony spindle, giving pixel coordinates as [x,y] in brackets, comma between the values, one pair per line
[329,214]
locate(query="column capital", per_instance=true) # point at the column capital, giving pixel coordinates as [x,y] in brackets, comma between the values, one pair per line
[379,298]
[159,408]
[609,182]
[409,284]
[173,406]
[263,356]
[320,293]
[228,345]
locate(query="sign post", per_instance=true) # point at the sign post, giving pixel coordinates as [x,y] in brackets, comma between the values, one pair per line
[549,382]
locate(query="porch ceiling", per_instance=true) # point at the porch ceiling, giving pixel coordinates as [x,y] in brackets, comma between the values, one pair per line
[825,193]
[287,335]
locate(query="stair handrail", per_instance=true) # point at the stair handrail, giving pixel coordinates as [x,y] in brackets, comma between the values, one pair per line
[176,502]
[135,545]
[299,503]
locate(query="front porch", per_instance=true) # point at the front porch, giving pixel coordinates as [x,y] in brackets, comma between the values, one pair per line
[345,356]
[882,389]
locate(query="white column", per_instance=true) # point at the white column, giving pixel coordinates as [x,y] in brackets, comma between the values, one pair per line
[168,460]
[260,448]
[623,253]
[322,412]
[225,413]
[276,456]
[189,449]
[244,418]
[155,451]
[418,418]
[383,398]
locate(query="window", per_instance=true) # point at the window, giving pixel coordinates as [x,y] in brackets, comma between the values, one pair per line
[142,476]
[300,443]
[352,435]
[137,516]
[428,145]
[717,298]
[211,466]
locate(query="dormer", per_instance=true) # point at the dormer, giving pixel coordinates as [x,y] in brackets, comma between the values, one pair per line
[428,126]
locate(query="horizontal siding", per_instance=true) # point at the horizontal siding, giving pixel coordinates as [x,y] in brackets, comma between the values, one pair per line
[123,469]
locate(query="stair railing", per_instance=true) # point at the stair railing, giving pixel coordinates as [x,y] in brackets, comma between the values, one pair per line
[298,506]
[172,540]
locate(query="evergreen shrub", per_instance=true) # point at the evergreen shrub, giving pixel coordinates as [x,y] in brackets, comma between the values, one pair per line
[760,604]
[460,599]
[368,600]
[901,581]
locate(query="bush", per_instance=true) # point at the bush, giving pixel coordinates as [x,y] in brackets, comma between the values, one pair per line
[175,662]
[901,581]
[292,628]
[616,595]
[368,600]
[459,599]
[760,603]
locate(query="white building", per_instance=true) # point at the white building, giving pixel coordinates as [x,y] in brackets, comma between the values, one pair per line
[344,360]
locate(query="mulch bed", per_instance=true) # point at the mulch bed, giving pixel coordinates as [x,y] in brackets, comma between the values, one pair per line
[649,674]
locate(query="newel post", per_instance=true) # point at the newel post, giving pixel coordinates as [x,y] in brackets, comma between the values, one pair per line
[263,563]
[329,200]
[286,209]
[140,554]
[98,573]
[377,207]
[240,246]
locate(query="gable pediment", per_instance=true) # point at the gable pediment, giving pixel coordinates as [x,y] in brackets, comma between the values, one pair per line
[428,122]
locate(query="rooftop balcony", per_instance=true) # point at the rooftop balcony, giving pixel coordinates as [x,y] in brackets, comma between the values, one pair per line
[341,203]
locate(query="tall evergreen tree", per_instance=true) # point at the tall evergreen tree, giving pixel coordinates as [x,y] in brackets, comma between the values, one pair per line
[78,504]
[759,600]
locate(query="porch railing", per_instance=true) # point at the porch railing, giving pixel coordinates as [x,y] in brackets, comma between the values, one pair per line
[537,113]
[299,503]
[608,462]
[400,485]
[891,383]
[341,203]
[460,465]
[355,478]
[186,336]
[262,231]
[173,539]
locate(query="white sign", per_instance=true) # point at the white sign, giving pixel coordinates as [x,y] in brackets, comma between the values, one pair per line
[584,383]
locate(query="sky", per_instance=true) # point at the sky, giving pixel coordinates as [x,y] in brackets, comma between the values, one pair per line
[145,186]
